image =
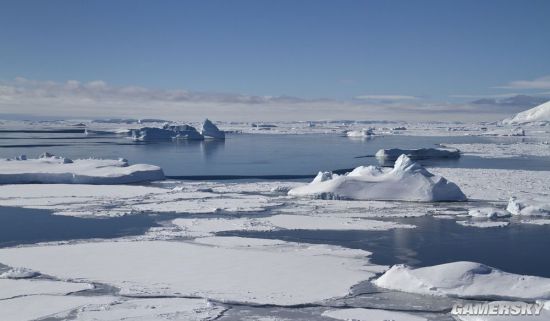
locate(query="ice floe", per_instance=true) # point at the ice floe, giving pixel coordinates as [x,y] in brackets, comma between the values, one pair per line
[282,273]
[19,273]
[465,280]
[50,169]
[154,309]
[365,132]
[504,150]
[488,212]
[418,154]
[528,206]
[407,181]
[10,288]
[360,314]
[483,224]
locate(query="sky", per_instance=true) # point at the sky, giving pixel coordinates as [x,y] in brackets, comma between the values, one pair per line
[271,59]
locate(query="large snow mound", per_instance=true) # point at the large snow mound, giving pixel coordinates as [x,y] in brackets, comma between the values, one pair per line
[465,280]
[50,169]
[209,130]
[407,181]
[541,113]
[416,154]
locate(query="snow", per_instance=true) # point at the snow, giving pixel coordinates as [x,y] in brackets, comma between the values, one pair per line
[525,206]
[151,310]
[19,273]
[465,280]
[407,181]
[58,170]
[209,130]
[416,154]
[359,314]
[540,113]
[42,306]
[285,273]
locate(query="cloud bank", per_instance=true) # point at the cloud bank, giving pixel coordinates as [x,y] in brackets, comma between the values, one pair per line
[98,99]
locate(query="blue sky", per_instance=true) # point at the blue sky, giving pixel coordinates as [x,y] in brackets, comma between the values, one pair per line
[310,49]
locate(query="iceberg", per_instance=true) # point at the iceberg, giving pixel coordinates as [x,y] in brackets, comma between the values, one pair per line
[166,133]
[50,169]
[417,154]
[209,130]
[465,280]
[540,113]
[407,181]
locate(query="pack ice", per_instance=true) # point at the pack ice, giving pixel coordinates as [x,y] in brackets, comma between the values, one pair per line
[407,181]
[50,169]
[465,280]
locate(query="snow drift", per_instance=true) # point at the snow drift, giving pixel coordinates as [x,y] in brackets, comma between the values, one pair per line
[541,113]
[407,181]
[49,169]
[465,280]
[416,154]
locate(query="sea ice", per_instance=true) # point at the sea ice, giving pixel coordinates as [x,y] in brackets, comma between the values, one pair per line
[465,280]
[483,224]
[417,154]
[10,288]
[407,181]
[360,133]
[58,170]
[264,272]
[488,212]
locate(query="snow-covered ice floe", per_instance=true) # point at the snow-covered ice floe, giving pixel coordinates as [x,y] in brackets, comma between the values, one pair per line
[220,268]
[540,113]
[529,206]
[407,181]
[483,224]
[488,212]
[51,169]
[465,280]
[360,314]
[504,150]
[418,154]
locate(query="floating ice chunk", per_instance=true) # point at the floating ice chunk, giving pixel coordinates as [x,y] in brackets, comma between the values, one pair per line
[360,133]
[407,181]
[19,273]
[465,280]
[516,131]
[50,169]
[306,222]
[540,113]
[416,154]
[284,273]
[528,206]
[488,212]
[359,314]
[209,130]
[483,224]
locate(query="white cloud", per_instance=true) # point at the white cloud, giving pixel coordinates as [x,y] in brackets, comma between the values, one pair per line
[98,99]
[538,83]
